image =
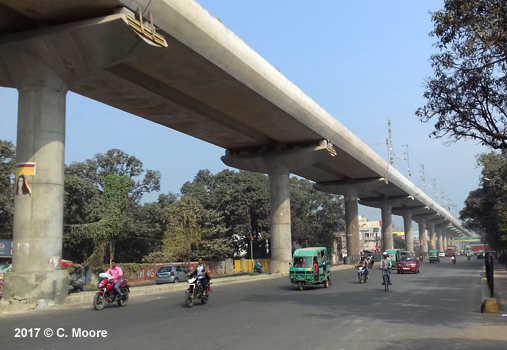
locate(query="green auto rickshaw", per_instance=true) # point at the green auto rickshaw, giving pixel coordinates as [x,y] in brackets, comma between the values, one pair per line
[301,271]
[433,256]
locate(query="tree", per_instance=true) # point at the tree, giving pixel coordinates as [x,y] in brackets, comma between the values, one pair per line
[242,199]
[485,208]
[468,93]
[84,203]
[105,231]
[398,242]
[118,163]
[7,165]
[315,216]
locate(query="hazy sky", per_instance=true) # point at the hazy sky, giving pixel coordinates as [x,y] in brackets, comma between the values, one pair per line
[364,62]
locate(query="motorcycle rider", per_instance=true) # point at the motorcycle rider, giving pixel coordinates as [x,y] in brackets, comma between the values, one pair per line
[202,274]
[371,260]
[386,264]
[453,257]
[363,262]
[258,267]
[117,273]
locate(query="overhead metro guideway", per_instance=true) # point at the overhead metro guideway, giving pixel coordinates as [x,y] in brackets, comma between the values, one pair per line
[199,79]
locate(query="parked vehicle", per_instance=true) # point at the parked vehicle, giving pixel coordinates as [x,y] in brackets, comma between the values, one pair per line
[195,291]
[301,271]
[107,294]
[408,264]
[433,256]
[76,284]
[361,274]
[171,274]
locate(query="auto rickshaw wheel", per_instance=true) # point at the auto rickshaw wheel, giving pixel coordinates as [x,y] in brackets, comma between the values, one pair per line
[326,283]
[301,286]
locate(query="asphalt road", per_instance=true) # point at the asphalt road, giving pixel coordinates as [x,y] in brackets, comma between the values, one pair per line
[437,309]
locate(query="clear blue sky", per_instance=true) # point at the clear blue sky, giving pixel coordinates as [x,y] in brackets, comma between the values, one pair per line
[363,62]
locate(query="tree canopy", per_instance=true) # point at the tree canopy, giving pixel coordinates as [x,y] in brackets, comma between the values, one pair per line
[467,95]
[216,216]
[7,164]
[485,208]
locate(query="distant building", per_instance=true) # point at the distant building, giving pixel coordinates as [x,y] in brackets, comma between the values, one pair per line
[370,234]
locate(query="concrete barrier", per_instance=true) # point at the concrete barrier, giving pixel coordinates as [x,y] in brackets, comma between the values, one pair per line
[489,305]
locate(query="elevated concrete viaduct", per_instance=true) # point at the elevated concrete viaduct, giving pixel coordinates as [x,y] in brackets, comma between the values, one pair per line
[170,62]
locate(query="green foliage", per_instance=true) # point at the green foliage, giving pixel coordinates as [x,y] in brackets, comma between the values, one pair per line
[218,214]
[315,216]
[84,205]
[468,93]
[398,242]
[103,232]
[7,165]
[486,207]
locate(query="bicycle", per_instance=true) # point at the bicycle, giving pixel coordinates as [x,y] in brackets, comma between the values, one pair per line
[385,278]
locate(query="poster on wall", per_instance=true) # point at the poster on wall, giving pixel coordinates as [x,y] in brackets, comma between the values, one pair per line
[21,185]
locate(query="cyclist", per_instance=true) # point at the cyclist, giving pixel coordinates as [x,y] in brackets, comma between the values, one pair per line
[385,266]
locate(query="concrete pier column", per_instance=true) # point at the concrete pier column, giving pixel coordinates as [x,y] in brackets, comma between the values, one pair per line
[430,225]
[423,238]
[440,241]
[387,226]
[409,234]
[38,214]
[279,199]
[352,228]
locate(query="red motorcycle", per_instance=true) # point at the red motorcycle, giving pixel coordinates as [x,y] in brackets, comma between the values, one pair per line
[107,294]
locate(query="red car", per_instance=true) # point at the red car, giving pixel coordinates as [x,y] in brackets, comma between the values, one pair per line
[408,264]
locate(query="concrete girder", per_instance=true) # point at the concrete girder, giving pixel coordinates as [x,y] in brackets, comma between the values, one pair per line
[293,159]
[118,43]
[398,201]
[350,187]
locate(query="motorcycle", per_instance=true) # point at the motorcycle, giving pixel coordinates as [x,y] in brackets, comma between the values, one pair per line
[76,284]
[453,260]
[107,294]
[196,291]
[361,274]
[421,258]
[371,262]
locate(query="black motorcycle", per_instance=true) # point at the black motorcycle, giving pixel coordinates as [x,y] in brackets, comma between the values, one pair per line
[76,284]
[196,291]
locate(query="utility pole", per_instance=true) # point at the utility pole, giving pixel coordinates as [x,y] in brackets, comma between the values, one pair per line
[408,164]
[390,154]
[423,177]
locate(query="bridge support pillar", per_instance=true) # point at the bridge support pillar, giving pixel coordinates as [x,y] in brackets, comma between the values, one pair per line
[279,200]
[387,226]
[431,231]
[409,234]
[352,228]
[38,212]
[423,238]
[440,239]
